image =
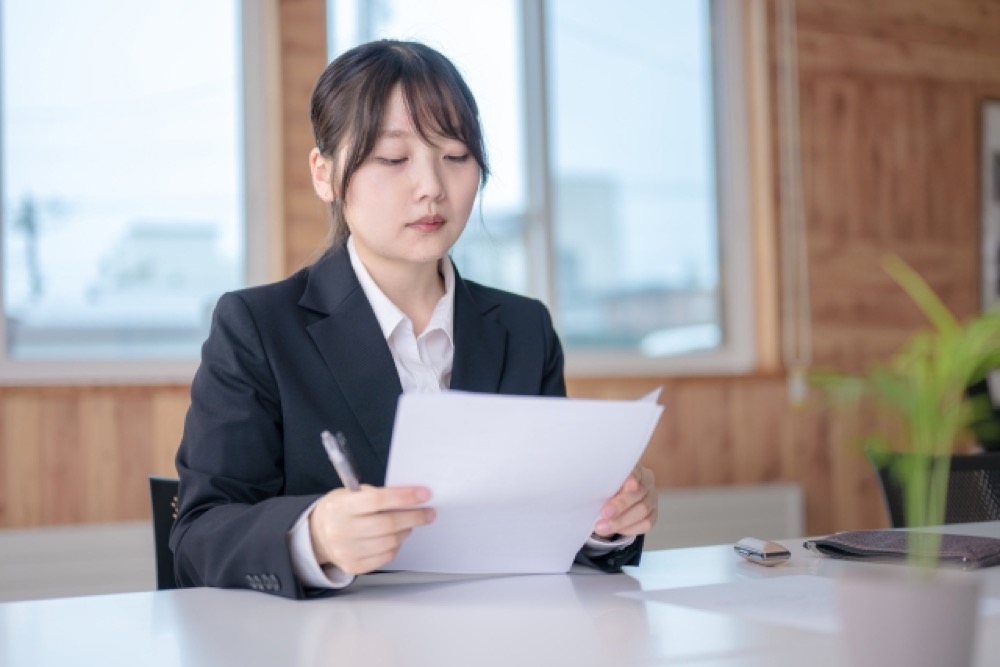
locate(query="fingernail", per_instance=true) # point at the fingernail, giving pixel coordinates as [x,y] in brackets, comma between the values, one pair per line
[602,528]
[423,495]
[430,515]
[609,512]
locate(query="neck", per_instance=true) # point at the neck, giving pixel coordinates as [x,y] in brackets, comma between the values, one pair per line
[414,288]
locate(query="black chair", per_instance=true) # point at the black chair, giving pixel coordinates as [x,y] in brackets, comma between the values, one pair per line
[163,494]
[973,488]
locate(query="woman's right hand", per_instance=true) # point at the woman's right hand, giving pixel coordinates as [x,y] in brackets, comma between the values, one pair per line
[360,531]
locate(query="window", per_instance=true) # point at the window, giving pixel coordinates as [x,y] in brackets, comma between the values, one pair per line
[124,211]
[617,139]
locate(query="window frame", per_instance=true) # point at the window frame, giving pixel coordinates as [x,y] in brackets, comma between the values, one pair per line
[261,175]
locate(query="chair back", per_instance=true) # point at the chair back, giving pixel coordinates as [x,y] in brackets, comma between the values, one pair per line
[163,495]
[973,489]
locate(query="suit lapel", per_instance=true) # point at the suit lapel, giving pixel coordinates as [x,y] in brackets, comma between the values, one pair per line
[351,343]
[480,343]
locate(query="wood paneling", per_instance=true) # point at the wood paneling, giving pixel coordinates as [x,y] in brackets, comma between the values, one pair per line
[889,125]
[303,49]
[943,40]
[82,454]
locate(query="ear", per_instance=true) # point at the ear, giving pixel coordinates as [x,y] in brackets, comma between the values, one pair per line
[322,175]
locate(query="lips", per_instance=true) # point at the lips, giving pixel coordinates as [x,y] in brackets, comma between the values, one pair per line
[428,223]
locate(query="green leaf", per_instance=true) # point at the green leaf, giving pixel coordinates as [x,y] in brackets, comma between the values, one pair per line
[921,394]
[921,293]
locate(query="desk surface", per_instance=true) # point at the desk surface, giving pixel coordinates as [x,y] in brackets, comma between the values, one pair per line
[584,618]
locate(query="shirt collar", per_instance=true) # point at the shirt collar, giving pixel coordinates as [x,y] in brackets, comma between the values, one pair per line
[389,315]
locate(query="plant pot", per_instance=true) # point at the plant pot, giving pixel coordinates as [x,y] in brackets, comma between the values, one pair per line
[894,615]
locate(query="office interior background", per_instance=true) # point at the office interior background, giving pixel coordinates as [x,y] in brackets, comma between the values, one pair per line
[766,262]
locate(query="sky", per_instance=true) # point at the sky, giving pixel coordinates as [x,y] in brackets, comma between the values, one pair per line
[129,112]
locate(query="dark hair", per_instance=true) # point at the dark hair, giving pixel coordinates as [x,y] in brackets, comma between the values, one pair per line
[350,99]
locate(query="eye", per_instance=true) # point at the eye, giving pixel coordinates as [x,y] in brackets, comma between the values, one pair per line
[458,158]
[390,161]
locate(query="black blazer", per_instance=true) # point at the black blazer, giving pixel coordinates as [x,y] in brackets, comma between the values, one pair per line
[285,361]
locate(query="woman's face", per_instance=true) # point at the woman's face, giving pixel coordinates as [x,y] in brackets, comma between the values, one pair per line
[409,201]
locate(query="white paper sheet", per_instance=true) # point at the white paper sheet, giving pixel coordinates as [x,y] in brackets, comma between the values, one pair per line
[517,482]
[800,601]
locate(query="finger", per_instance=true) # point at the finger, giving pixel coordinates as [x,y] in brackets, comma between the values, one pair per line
[646,479]
[372,500]
[631,483]
[368,555]
[632,524]
[637,520]
[376,546]
[390,523]
[622,513]
[603,529]
[638,484]
[620,502]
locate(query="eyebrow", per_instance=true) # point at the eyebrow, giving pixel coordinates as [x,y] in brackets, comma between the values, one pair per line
[395,134]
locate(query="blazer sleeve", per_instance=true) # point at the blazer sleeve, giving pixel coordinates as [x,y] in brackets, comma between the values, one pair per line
[614,561]
[232,523]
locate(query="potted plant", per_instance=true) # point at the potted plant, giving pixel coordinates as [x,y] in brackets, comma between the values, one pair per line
[921,393]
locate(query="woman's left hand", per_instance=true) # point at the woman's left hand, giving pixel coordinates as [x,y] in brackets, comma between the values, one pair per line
[632,510]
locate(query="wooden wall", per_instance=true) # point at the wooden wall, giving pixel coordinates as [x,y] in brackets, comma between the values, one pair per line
[889,91]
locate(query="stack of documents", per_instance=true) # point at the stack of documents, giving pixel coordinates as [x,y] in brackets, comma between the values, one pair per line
[517,482]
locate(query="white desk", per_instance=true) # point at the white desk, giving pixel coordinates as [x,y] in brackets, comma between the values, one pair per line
[397,619]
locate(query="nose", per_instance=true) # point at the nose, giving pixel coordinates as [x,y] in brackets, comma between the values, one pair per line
[428,181]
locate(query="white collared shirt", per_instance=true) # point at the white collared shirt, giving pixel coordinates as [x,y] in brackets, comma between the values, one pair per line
[424,364]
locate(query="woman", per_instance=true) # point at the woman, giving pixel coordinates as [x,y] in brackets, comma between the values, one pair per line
[399,158]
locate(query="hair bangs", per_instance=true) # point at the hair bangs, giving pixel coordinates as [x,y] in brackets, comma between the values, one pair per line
[433,112]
